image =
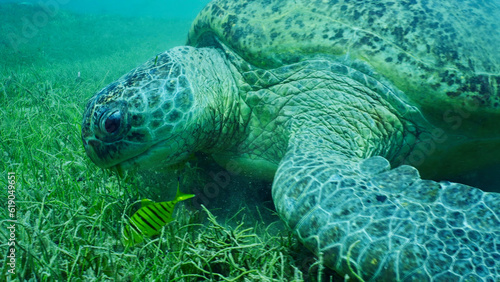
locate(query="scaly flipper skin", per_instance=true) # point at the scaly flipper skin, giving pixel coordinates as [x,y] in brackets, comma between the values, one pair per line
[399,226]
[334,188]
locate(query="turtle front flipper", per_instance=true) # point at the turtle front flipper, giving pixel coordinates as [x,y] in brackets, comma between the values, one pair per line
[387,224]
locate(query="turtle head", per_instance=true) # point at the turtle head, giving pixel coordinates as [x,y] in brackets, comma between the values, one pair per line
[148,118]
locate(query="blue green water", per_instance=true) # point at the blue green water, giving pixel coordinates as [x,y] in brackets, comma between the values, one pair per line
[44,32]
[166,9]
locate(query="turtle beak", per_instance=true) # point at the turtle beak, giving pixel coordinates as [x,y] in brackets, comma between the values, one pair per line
[92,146]
[90,149]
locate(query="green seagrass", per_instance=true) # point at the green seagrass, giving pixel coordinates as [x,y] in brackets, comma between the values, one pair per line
[322,97]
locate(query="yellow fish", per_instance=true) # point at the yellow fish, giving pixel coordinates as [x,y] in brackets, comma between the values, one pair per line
[150,218]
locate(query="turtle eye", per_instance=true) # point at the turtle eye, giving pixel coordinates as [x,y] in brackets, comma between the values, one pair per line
[112,122]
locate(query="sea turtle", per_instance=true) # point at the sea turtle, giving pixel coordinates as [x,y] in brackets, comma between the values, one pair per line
[324,97]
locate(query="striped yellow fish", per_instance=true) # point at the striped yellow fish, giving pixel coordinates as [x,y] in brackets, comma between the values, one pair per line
[150,218]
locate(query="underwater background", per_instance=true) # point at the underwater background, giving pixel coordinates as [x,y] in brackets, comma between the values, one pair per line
[62,215]
[186,9]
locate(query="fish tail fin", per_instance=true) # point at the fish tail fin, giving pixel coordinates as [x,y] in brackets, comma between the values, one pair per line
[179,196]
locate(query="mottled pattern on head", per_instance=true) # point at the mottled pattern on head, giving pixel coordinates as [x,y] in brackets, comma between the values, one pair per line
[442,54]
[158,94]
[149,102]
